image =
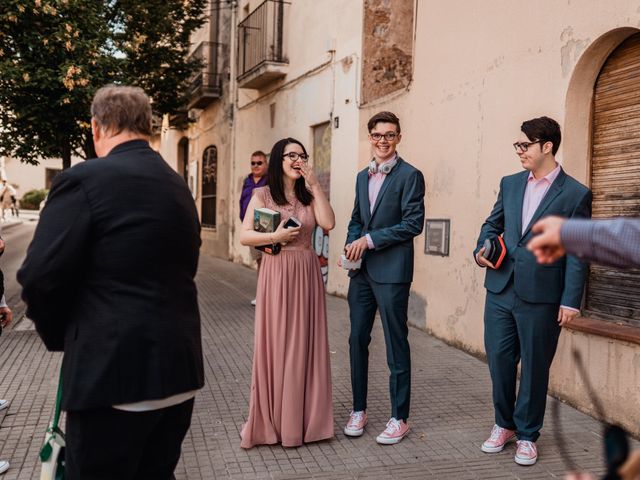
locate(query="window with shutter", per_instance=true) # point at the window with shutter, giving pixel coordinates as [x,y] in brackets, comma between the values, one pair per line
[614,294]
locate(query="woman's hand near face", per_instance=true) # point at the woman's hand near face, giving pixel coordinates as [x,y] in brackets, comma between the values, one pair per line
[309,175]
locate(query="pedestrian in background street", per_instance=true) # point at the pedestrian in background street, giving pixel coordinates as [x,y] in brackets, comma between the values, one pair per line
[388,213]
[291,401]
[527,303]
[8,199]
[109,280]
[256,179]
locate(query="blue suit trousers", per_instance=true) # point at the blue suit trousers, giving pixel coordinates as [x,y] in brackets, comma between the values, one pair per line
[392,300]
[519,331]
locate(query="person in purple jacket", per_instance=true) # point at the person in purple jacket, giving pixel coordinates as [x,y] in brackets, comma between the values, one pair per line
[257,178]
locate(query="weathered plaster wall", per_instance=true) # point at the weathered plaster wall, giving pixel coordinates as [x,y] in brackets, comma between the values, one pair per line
[481,68]
[387,47]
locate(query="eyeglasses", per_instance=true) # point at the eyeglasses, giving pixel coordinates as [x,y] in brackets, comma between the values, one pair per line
[389,136]
[294,157]
[524,146]
[253,164]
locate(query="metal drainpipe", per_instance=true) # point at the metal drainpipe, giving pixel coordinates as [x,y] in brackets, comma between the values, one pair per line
[233,95]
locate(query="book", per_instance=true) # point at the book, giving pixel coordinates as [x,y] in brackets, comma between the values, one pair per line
[266,220]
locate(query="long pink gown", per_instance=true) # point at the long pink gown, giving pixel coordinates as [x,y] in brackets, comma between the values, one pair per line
[291,400]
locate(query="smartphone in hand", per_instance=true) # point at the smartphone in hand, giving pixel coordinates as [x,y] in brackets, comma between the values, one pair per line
[293,222]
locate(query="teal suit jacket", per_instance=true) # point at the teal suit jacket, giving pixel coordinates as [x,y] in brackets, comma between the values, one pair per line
[397,217]
[561,282]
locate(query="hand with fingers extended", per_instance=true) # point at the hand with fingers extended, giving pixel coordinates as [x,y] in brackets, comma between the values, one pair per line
[483,262]
[354,250]
[566,316]
[284,234]
[309,175]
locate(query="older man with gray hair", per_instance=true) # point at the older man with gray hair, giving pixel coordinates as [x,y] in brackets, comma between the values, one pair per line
[109,280]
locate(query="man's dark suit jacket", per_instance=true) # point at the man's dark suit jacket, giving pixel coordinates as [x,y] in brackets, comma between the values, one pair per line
[109,279]
[560,282]
[398,216]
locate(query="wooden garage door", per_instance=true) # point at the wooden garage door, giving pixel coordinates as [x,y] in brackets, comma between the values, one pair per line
[614,294]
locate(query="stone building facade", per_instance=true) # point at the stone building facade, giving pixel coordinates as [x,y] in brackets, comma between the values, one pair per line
[462,76]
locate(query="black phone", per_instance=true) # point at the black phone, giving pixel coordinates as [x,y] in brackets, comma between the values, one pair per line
[293,222]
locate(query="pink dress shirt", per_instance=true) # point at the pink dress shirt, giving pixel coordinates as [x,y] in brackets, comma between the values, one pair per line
[533,195]
[375,184]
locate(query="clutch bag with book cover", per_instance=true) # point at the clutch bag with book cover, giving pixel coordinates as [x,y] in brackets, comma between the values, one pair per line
[266,220]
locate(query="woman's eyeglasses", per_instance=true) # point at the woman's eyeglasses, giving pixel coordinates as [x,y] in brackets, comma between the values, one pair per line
[294,157]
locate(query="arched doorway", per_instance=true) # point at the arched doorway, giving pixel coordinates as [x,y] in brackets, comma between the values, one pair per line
[614,294]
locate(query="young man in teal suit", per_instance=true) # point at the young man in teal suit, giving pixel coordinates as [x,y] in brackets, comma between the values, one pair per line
[527,303]
[388,213]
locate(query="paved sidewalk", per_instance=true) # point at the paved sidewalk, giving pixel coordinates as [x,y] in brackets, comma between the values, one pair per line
[451,405]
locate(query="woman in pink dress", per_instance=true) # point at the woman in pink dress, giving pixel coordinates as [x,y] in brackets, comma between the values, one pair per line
[291,400]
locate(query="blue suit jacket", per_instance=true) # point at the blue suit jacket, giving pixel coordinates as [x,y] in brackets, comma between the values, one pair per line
[561,282]
[397,217]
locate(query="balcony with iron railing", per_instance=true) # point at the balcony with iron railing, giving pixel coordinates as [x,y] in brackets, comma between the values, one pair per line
[261,45]
[205,86]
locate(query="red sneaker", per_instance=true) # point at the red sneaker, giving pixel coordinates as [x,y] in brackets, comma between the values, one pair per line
[396,430]
[356,424]
[498,439]
[527,453]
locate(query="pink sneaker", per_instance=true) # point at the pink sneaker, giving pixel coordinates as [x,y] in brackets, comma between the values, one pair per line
[396,430]
[526,453]
[498,439]
[356,424]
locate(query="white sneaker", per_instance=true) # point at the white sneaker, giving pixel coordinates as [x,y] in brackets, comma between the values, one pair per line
[4,466]
[4,404]
[253,302]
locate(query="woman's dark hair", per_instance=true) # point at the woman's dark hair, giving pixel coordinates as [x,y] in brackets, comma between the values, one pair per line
[276,172]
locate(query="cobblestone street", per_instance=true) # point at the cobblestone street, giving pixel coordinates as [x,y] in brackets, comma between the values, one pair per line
[450,417]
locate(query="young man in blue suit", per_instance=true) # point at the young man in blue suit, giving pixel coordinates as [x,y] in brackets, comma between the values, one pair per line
[527,303]
[388,213]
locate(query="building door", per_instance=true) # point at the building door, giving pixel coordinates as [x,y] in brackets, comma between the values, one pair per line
[614,294]
[322,166]
[209,186]
[183,158]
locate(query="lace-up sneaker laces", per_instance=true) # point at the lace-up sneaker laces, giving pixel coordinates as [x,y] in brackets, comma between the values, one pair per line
[396,430]
[4,466]
[526,453]
[356,424]
[498,439]
[4,404]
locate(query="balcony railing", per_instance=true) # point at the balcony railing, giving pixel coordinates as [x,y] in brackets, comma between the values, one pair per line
[206,84]
[261,45]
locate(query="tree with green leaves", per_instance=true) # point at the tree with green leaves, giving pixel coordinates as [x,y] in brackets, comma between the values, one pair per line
[54,55]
